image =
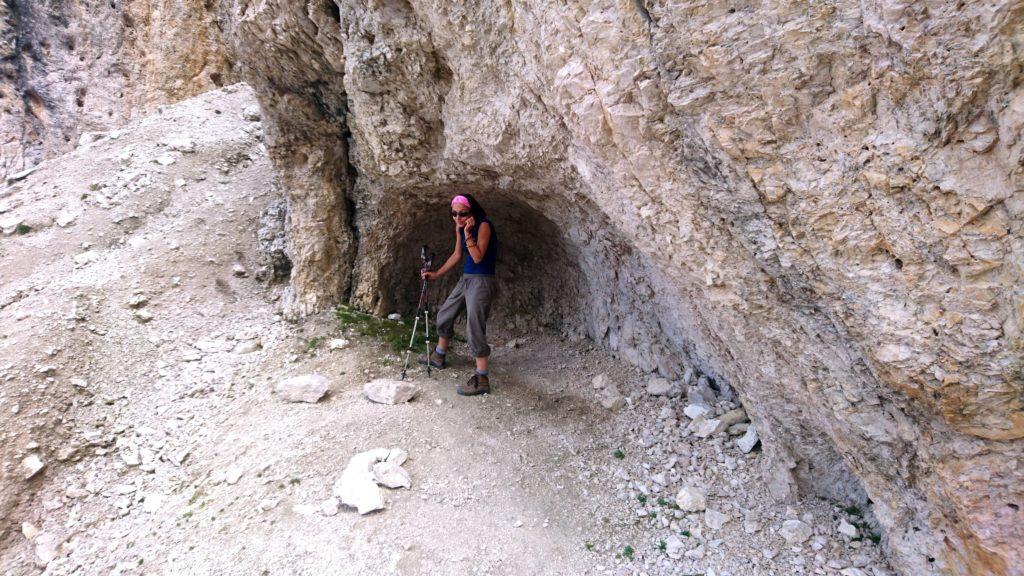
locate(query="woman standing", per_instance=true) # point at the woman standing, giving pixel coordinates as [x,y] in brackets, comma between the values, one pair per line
[475,238]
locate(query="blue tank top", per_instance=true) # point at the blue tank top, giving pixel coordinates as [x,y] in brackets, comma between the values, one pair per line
[486,266]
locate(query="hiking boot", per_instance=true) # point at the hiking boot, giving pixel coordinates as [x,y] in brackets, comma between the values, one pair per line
[476,384]
[436,360]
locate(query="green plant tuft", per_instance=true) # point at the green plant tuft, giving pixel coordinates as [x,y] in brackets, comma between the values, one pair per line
[395,333]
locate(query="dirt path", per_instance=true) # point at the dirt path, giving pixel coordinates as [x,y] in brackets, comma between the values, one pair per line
[130,368]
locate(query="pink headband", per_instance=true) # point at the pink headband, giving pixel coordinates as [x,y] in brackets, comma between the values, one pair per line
[461,200]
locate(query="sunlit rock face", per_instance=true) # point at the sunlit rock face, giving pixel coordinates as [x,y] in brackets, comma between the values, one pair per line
[818,203]
[77,66]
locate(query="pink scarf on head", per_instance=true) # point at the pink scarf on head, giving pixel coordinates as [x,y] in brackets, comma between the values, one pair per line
[460,199]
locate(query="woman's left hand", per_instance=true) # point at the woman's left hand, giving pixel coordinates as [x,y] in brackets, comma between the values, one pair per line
[470,224]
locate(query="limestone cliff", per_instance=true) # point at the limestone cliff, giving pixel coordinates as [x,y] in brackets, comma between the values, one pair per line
[72,67]
[819,203]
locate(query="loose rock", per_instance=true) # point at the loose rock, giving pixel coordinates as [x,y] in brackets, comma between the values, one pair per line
[691,499]
[795,532]
[307,388]
[31,465]
[387,391]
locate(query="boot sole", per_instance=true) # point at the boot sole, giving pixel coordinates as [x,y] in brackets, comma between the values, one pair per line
[461,393]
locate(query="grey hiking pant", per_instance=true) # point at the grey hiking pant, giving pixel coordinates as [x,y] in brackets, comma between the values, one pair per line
[475,292]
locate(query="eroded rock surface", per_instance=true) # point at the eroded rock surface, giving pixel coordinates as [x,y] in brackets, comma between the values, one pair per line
[819,204]
[72,70]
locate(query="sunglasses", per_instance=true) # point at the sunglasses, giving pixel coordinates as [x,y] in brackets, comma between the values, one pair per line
[459,214]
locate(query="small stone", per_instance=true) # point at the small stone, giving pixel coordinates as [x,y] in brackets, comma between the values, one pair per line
[614,402]
[247,347]
[307,388]
[130,457]
[513,343]
[691,499]
[517,524]
[697,553]
[394,316]
[239,270]
[748,441]
[356,487]
[65,218]
[714,519]
[182,144]
[87,257]
[31,465]
[165,160]
[136,301]
[329,507]
[660,387]
[143,316]
[704,428]
[732,417]
[795,532]
[852,571]
[695,411]
[337,344]
[847,529]
[387,391]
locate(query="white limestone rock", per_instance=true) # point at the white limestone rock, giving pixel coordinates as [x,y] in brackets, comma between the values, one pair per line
[306,388]
[795,532]
[747,442]
[691,499]
[31,465]
[357,487]
[714,519]
[660,387]
[388,391]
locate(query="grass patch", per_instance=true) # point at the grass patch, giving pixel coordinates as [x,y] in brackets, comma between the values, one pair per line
[22,229]
[628,552]
[589,546]
[394,333]
[641,498]
[314,343]
[662,545]
[619,454]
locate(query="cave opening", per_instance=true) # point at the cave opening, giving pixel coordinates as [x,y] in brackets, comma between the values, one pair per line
[561,264]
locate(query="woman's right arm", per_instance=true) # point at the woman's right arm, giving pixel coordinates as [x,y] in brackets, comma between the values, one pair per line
[450,263]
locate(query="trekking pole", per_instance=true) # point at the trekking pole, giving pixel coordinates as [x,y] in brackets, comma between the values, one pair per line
[422,307]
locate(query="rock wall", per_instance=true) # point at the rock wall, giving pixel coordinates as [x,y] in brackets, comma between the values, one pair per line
[68,67]
[819,203]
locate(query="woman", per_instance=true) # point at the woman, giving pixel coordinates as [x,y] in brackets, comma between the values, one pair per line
[475,238]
